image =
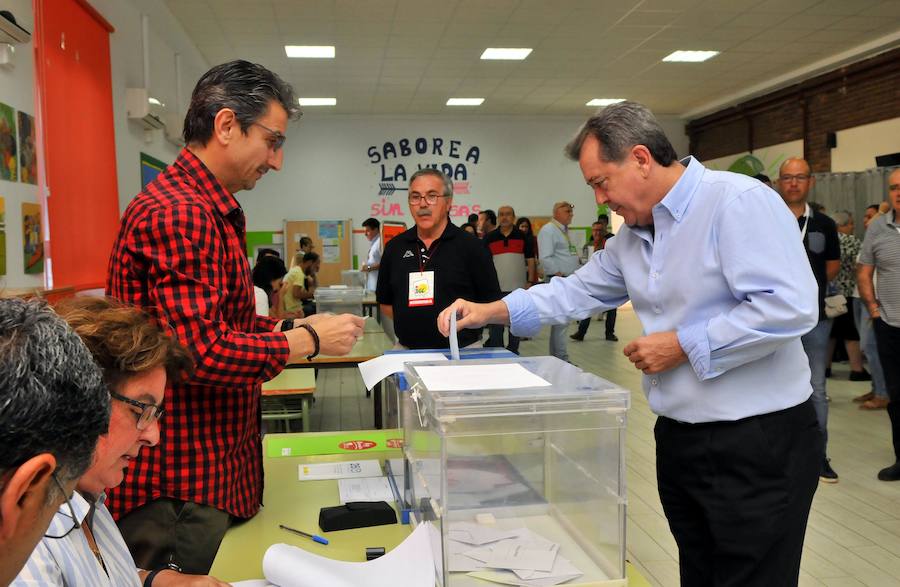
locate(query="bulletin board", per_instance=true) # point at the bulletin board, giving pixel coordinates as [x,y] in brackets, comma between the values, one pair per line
[331,240]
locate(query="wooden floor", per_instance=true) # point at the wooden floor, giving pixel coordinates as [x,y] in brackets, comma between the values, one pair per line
[853,536]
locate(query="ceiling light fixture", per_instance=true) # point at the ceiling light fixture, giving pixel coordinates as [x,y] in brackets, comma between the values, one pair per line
[318,101]
[604,101]
[690,56]
[465,101]
[506,54]
[310,51]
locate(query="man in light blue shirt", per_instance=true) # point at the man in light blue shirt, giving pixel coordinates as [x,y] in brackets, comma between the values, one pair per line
[723,310]
[559,259]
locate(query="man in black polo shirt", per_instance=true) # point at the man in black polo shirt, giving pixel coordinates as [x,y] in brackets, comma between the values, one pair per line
[819,235]
[429,266]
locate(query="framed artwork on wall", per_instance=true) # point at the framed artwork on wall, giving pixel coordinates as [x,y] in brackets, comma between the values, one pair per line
[32,238]
[9,161]
[27,149]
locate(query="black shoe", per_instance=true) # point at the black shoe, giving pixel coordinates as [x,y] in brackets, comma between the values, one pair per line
[860,376]
[827,371]
[577,336]
[827,474]
[891,473]
[612,337]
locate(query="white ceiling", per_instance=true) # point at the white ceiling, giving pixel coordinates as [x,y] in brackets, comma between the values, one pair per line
[409,56]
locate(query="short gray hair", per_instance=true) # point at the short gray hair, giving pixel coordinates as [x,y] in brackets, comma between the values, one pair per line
[448,183]
[619,127]
[52,395]
[842,217]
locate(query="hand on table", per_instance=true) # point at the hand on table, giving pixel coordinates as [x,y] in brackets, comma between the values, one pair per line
[656,352]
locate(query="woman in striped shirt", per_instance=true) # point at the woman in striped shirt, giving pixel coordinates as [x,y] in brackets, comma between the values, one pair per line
[83,546]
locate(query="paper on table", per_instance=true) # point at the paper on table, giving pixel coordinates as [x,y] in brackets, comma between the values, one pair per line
[374,370]
[477,534]
[410,564]
[478,377]
[253,583]
[365,489]
[516,556]
[319,471]
[454,341]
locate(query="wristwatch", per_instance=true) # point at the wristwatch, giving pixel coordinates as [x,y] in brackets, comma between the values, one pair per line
[148,580]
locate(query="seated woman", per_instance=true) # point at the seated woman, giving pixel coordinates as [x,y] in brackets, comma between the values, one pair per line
[83,546]
[267,276]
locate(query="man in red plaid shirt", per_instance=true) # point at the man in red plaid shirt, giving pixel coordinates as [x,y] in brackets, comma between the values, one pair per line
[181,254]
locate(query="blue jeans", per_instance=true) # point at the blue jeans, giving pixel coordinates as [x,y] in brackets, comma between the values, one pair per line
[815,343]
[869,347]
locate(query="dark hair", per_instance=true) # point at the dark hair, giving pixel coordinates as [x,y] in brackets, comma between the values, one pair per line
[244,87]
[763,178]
[875,207]
[473,218]
[448,184]
[603,218]
[260,253]
[371,223]
[52,395]
[304,241]
[266,271]
[527,221]
[491,215]
[619,127]
[817,207]
[469,225]
[124,340]
[311,256]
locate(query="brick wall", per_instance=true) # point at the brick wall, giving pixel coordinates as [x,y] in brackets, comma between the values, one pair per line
[860,93]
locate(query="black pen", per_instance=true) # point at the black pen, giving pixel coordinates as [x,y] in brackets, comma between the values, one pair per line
[313,537]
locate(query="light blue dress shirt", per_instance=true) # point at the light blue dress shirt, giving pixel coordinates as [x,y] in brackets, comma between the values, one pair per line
[725,268]
[554,246]
[69,561]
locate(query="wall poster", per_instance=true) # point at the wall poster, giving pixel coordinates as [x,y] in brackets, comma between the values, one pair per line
[32,238]
[27,149]
[2,236]
[9,161]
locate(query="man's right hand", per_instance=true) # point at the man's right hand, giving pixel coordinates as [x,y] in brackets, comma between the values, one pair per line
[337,335]
[472,315]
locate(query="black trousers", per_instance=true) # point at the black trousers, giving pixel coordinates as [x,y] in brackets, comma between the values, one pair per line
[737,495]
[610,320]
[887,338]
[170,530]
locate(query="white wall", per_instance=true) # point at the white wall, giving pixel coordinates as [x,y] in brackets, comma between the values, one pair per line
[17,91]
[328,173]
[857,147]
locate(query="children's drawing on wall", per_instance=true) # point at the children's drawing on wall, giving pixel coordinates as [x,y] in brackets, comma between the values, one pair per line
[2,236]
[32,239]
[27,149]
[9,163]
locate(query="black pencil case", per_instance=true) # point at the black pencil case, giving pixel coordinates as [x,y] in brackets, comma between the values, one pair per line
[356,514]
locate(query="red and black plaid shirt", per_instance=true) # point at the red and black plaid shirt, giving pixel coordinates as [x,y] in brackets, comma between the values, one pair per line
[181,255]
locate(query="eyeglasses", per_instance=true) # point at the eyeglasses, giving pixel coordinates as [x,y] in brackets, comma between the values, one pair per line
[430,198]
[74,523]
[800,177]
[275,140]
[149,412]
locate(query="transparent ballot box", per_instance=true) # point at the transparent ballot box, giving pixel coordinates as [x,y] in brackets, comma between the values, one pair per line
[353,278]
[518,467]
[340,300]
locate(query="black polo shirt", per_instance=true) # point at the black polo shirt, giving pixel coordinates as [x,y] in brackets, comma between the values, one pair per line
[822,244]
[462,269]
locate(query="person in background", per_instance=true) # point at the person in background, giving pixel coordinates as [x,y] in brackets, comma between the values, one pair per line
[53,407]
[513,258]
[137,359]
[472,219]
[266,252]
[844,326]
[267,276]
[872,211]
[599,235]
[487,222]
[823,250]
[180,255]
[373,259]
[762,177]
[524,224]
[310,265]
[560,259]
[306,244]
[877,397]
[470,228]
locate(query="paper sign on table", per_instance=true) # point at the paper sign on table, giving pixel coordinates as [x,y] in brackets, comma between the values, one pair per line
[365,489]
[318,471]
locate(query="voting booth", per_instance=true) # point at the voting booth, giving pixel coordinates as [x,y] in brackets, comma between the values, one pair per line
[518,467]
[340,300]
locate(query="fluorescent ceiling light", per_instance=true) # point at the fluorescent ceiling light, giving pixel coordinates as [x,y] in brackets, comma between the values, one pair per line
[310,51]
[690,56]
[318,101]
[508,54]
[604,101]
[465,101]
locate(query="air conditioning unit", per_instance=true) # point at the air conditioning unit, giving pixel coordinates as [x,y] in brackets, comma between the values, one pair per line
[10,32]
[143,109]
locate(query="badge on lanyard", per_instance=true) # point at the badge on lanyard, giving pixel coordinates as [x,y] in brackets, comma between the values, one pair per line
[421,288]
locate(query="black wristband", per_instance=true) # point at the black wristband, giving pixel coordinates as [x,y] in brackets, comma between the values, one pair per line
[315,337]
[287,324]
[148,580]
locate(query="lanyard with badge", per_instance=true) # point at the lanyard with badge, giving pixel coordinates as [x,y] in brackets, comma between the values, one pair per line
[565,233]
[806,214]
[421,282]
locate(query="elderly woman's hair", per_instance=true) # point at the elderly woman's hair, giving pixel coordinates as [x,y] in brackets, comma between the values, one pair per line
[52,396]
[124,340]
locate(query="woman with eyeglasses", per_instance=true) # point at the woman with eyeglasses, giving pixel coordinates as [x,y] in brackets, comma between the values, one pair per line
[83,546]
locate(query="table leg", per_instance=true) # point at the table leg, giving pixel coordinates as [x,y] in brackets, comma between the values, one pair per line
[377,410]
[304,413]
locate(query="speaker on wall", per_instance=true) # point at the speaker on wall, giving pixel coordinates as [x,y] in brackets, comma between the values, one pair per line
[891,160]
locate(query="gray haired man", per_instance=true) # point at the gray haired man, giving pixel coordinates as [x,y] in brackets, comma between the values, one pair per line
[53,406]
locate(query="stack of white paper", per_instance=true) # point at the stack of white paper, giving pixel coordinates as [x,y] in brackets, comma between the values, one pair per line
[510,557]
[365,489]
